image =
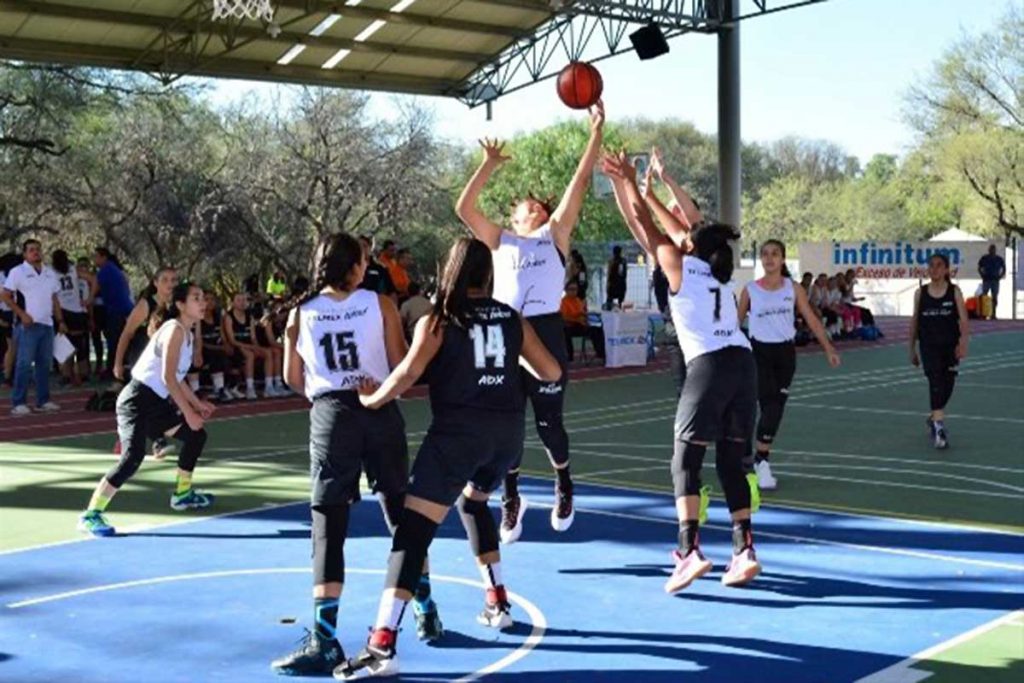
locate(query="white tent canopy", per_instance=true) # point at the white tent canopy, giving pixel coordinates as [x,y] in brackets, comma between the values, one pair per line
[957,235]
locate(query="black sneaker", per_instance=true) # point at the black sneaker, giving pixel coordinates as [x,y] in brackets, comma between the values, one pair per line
[563,514]
[316,656]
[512,510]
[428,621]
[378,659]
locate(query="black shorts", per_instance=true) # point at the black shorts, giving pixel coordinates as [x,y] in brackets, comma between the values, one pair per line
[719,399]
[140,410]
[8,327]
[937,359]
[346,439]
[550,328]
[77,323]
[776,365]
[474,447]
[214,360]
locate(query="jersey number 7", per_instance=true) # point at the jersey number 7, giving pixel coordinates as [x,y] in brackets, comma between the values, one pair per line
[340,351]
[718,302]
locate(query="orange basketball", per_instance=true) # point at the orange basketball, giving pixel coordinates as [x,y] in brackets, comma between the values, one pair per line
[580,85]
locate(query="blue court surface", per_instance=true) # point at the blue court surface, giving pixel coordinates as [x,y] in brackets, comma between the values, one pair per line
[216,599]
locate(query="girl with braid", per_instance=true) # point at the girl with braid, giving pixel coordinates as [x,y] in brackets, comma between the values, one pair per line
[144,411]
[338,337]
[469,349]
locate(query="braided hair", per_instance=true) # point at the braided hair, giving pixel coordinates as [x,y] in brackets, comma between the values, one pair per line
[334,260]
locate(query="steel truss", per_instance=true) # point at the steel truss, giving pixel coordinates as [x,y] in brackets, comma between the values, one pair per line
[580,24]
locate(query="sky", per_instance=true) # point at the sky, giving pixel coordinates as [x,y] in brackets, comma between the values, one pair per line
[838,70]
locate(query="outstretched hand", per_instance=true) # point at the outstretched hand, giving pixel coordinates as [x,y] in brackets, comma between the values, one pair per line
[494,151]
[597,116]
[657,163]
[617,165]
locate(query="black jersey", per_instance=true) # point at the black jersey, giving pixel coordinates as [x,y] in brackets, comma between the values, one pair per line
[938,321]
[376,279]
[211,332]
[241,328]
[477,366]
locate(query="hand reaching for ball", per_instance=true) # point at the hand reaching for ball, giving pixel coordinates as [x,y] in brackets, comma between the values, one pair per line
[597,116]
[494,151]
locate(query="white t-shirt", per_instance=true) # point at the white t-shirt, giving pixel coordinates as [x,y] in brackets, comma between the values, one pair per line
[149,368]
[341,343]
[704,312]
[772,313]
[84,289]
[3,306]
[38,288]
[70,294]
[529,274]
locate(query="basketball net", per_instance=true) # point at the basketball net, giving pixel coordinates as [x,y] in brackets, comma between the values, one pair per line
[243,9]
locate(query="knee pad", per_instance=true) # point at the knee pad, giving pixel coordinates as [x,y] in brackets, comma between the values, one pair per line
[687,461]
[409,550]
[480,525]
[393,507]
[729,464]
[330,528]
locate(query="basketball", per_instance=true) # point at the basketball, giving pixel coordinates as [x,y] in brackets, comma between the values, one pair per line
[579,85]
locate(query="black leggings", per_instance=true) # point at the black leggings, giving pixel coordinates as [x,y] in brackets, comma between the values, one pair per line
[142,414]
[776,365]
[548,398]
[940,367]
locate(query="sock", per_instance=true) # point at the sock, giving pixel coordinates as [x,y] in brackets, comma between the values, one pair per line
[250,384]
[218,380]
[99,503]
[325,617]
[496,596]
[689,536]
[279,382]
[564,478]
[512,484]
[193,383]
[761,456]
[390,612]
[183,483]
[742,536]
[422,593]
[491,574]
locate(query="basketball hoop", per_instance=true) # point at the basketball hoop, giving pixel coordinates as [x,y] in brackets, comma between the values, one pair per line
[243,9]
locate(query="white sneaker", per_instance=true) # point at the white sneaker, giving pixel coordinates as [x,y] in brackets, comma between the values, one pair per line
[512,511]
[250,395]
[236,394]
[49,407]
[21,411]
[765,480]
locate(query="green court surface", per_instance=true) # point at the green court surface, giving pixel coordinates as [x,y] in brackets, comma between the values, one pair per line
[853,440]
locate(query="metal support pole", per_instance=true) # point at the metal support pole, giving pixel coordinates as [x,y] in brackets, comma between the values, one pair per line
[729,142]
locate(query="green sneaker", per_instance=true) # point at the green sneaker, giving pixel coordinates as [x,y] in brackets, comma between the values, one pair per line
[428,622]
[705,502]
[191,500]
[755,492]
[94,523]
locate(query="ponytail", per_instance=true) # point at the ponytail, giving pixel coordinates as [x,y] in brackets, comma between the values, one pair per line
[711,244]
[334,260]
[168,310]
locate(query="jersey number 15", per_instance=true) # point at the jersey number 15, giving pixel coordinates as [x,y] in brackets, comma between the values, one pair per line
[340,351]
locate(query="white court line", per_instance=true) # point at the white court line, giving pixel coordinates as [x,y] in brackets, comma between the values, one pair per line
[538,620]
[787,466]
[982,385]
[605,473]
[901,671]
[918,414]
[919,487]
[903,368]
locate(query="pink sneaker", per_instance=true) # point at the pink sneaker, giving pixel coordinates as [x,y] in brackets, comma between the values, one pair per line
[688,569]
[743,568]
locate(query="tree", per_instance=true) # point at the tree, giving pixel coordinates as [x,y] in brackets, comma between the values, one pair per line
[970,113]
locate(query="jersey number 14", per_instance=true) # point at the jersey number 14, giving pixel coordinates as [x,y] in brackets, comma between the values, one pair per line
[488,342]
[340,351]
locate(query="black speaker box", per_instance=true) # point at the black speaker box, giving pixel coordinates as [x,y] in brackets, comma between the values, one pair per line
[649,42]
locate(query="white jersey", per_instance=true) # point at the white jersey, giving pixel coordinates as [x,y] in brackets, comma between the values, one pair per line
[341,343]
[149,368]
[3,279]
[772,313]
[529,273]
[704,312]
[70,294]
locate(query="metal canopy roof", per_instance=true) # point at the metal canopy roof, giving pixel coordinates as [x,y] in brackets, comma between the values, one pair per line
[475,50]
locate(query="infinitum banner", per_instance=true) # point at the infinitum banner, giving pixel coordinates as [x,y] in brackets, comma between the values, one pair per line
[890,260]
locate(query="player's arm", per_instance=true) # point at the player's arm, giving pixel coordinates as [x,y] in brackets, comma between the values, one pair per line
[622,202]
[180,393]
[564,217]
[467,208]
[537,360]
[674,228]
[813,322]
[743,305]
[965,328]
[686,204]
[394,335]
[294,374]
[426,342]
[913,328]
[135,320]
